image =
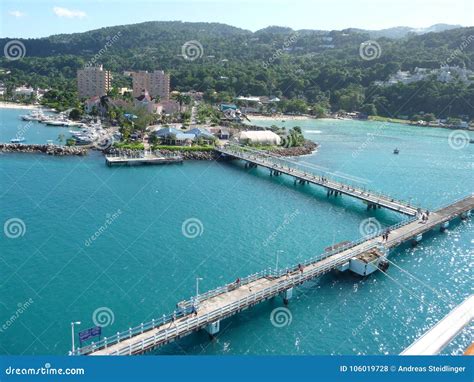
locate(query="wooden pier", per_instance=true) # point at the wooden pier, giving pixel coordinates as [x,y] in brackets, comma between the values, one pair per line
[333,187]
[145,159]
[207,310]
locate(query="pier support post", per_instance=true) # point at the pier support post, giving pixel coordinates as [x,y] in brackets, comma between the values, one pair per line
[213,328]
[417,239]
[444,226]
[465,215]
[287,295]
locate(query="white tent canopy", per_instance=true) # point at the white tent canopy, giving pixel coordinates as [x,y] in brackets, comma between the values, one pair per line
[265,137]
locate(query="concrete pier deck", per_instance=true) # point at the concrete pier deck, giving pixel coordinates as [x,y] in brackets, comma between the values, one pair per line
[208,309]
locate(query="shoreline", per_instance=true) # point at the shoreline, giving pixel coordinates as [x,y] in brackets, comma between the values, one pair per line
[21,106]
[279,117]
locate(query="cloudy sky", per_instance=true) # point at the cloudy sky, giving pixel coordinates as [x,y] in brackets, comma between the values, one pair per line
[37,18]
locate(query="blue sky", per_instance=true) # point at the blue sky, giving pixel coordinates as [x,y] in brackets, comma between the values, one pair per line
[38,18]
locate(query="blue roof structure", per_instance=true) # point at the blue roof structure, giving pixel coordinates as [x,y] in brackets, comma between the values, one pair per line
[167,131]
[199,132]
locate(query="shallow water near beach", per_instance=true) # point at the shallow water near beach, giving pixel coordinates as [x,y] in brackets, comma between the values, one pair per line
[111,240]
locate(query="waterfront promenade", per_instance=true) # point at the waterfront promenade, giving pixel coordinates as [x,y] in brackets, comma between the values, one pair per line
[207,310]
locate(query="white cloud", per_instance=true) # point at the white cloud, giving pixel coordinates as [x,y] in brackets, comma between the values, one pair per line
[69,13]
[16,13]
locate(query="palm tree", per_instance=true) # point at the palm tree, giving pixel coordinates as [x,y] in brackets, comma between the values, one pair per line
[182,99]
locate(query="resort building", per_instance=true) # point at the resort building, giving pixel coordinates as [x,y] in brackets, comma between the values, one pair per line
[145,101]
[93,81]
[157,84]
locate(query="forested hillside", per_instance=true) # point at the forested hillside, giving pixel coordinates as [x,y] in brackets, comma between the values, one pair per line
[318,68]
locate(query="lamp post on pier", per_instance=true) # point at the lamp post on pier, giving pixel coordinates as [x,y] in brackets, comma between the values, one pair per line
[277,258]
[196,300]
[72,333]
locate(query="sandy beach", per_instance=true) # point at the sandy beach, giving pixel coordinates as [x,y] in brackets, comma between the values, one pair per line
[12,105]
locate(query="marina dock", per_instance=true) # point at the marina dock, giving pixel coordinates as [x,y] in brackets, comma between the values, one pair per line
[277,167]
[207,310]
[141,159]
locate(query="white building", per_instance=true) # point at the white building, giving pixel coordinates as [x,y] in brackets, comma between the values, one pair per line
[265,137]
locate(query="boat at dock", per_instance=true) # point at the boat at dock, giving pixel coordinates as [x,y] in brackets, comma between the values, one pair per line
[36,115]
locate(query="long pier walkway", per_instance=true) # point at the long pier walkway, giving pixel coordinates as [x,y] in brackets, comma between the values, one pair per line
[373,199]
[207,310]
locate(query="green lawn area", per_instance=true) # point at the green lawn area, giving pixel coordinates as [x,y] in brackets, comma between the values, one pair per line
[387,119]
[183,148]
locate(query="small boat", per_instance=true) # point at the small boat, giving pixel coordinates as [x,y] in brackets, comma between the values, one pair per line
[17,140]
[471,140]
[396,151]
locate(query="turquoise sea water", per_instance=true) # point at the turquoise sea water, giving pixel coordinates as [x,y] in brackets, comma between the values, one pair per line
[11,126]
[139,264]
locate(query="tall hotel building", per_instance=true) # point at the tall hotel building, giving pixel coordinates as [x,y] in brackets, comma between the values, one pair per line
[93,81]
[156,83]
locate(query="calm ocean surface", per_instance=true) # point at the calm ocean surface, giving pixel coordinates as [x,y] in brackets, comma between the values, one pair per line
[140,263]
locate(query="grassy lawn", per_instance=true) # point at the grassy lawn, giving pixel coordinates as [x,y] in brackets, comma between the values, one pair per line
[183,148]
[387,119]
